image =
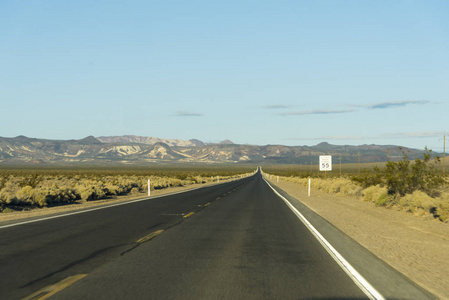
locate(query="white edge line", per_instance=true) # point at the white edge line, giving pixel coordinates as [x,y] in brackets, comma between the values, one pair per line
[111,205]
[358,279]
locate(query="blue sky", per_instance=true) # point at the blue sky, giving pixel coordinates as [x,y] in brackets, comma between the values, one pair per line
[256,72]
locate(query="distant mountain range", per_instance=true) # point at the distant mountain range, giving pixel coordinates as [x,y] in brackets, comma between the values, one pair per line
[131,149]
[149,140]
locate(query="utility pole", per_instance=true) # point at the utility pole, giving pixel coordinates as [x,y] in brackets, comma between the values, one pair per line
[340,165]
[358,164]
[444,154]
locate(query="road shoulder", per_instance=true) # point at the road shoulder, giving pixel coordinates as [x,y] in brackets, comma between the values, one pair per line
[417,248]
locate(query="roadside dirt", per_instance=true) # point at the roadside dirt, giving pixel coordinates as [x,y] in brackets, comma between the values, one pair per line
[416,247]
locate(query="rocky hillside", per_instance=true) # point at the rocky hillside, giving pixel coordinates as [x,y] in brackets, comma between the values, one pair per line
[149,140]
[134,149]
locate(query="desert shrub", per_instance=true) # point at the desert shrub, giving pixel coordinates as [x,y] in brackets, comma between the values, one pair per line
[6,210]
[341,186]
[367,178]
[418,202]
[42,187]
[443,211]
[442,206]
[165,182]
[25,194]
[181,176]
[91,191]
[404,177]
[112,190]
[3,180]
[376,194]
[385,199]
[62,195]
[9,191]
[350,188]
[300,180]
[30,180]
[40,197]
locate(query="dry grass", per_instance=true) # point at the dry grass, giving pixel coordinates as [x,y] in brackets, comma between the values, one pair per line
[341,186]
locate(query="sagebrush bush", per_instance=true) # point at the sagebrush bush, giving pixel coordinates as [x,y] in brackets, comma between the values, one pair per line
[375,194]
[404,177]
[443,210]
[418,201]
[48,187]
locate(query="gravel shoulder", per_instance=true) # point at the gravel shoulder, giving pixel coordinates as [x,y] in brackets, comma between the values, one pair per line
[416,247]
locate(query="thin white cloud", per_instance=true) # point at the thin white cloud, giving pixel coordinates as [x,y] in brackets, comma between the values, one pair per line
[277,106]
[316,112]
[392,104]
[380,105]
[187,114]
[400,135]
[416,134]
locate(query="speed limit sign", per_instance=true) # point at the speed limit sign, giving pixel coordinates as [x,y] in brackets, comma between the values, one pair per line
[325,163]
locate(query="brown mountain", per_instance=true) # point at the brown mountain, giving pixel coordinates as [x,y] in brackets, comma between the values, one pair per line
[24,150]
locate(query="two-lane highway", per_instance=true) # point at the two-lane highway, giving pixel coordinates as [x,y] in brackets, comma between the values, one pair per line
[237,240]
[34,255]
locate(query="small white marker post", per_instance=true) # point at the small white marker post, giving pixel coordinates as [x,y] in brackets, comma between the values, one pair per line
[278,179]
[309,188]
[149,192]
[218,178]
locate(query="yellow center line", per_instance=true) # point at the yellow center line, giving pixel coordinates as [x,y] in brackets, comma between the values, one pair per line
[207,204]
[50,290]
[149,237]
[189,214]
[218,198]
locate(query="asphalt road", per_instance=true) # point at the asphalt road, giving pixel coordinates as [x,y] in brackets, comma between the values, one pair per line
[235,240]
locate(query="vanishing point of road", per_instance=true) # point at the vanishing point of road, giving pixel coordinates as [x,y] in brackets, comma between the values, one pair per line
[236,240]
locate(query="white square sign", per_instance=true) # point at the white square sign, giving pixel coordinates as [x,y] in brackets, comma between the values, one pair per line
[325,163]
